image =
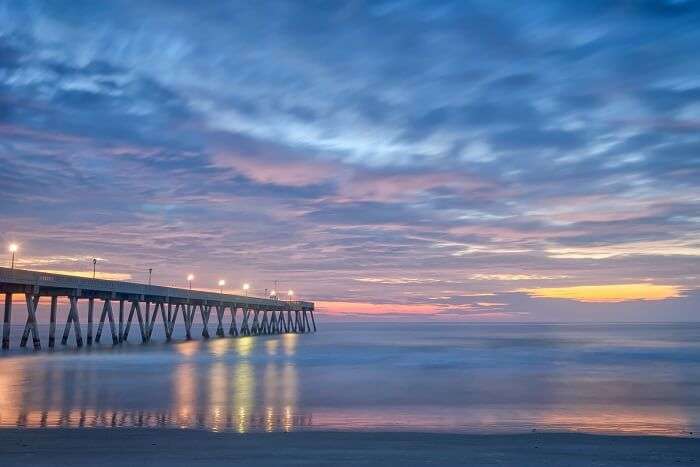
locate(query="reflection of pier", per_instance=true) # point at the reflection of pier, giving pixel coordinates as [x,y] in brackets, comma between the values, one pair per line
[216,419]
[148,304]
[218,385]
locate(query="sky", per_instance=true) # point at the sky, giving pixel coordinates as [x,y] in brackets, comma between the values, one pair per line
[467,160]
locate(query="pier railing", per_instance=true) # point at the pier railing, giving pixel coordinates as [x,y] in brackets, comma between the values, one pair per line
[258,316]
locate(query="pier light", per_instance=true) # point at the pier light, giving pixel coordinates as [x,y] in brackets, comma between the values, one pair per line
[272,293]
[290,294]
[13,249]
[190,278]
[246,287]
[222,283]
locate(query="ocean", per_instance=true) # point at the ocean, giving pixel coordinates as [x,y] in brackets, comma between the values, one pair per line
[434,377]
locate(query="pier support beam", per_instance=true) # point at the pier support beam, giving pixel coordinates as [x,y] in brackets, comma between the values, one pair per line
[6,321]
[163,318]
[233,329]
[256,322]
[52,322]
[109,315]
[245,330]
[220,308]
[297,322]
[307,324]
[121,320]
[91,313]
[168,319]
[290,323]
[172,319]
[271,326]
[311,312]
[282,321]
[31,325]
[263,323]
[73,319]
[188,313]
[135,307]
[205,312]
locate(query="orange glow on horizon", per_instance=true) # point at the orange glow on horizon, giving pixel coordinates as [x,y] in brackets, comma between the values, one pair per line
[610,293]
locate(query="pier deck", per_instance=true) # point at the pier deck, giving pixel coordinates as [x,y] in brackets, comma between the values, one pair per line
[148,304]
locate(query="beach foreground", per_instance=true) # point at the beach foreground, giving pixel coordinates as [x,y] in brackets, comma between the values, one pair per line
[172,447]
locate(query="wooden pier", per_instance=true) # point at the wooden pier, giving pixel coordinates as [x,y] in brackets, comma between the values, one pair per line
[148,304]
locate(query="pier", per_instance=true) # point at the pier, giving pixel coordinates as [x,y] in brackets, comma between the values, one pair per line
[120,305]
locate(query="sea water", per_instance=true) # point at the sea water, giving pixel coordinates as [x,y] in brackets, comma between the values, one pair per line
[441,377]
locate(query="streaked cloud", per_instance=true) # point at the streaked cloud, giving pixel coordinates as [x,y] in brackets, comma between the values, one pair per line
[397,280]
[658,248]
[516,277]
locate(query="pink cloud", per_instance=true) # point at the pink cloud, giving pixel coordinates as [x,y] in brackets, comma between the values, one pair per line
[387,188]
[374,308]
[276,169]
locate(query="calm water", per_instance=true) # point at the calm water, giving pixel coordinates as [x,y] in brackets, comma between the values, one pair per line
[437,377]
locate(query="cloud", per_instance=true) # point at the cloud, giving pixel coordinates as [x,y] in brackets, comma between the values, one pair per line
[690,247]
[546,145]
[397,280]
[515,277]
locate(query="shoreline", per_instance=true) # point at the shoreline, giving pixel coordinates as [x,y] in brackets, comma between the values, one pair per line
[186,447]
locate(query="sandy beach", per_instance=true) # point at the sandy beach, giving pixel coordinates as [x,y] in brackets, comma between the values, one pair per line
[172,447]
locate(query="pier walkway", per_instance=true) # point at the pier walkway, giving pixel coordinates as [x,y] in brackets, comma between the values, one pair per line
[149,304]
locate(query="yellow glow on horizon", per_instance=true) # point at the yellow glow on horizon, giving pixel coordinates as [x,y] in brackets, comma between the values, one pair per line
[609,293]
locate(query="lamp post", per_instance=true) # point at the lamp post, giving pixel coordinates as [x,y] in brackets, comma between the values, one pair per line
[150,272]
[290,294]
[222,283]
[246,287]
[190,278]
[94,267]
[13,249]
[273,294]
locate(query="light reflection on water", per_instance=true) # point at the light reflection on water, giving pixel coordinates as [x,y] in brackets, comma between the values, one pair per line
[606,379]
[211,385]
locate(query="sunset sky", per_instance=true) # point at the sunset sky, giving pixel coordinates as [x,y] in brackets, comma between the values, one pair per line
[458,160]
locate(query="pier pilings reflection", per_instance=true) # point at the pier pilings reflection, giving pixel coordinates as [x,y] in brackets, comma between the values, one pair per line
[237,385]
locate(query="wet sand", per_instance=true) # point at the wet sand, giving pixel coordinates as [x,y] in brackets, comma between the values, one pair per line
[173,447]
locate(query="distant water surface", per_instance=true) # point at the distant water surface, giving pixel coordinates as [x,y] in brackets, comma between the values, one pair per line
[612,378]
